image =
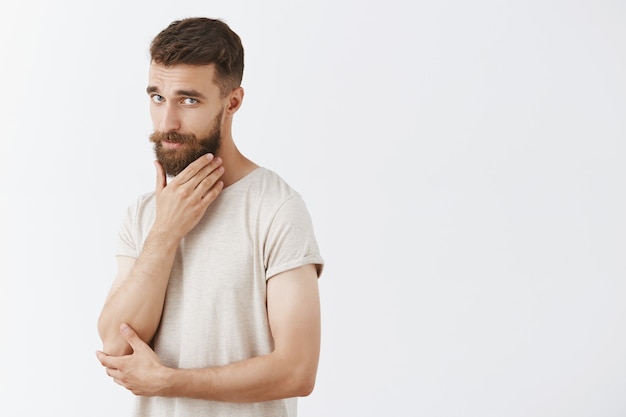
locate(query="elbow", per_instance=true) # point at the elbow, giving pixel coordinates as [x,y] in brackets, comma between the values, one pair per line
[303,382]
[112,341]
[299,371]
[306,388]
[116,348]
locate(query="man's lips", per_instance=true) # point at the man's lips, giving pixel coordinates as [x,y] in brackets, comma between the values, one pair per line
[171,145]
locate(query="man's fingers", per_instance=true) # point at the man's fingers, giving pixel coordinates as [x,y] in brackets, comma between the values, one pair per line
[202,180]
[109,362]
[193,168]
[210,189]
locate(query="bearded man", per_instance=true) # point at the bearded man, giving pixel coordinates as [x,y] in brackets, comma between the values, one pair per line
[215,307]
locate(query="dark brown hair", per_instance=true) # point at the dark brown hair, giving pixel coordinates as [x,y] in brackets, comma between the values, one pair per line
[202,41]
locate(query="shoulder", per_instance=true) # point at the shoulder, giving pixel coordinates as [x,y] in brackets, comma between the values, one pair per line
[266,195]
[144,201]
[144,205]
[268,186]
[272,181]
[281,199]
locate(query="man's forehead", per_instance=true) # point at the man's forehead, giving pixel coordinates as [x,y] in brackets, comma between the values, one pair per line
[182,76]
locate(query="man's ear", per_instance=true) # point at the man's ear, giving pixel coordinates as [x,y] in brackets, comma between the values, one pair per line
[235,98]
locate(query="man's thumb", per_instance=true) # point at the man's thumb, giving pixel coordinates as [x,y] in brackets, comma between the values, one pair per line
[129,334]
[161,181]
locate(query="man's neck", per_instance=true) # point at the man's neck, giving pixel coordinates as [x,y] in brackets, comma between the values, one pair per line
[236,165]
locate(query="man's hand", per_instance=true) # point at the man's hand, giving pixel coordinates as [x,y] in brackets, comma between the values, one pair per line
[141,372]
[181,204]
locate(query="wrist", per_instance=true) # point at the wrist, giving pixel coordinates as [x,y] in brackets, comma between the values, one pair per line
[164,237]
[166,378]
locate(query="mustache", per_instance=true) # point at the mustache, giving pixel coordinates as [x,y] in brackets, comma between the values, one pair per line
[174,137]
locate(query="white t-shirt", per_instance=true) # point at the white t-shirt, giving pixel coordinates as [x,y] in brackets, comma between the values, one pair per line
[215,311]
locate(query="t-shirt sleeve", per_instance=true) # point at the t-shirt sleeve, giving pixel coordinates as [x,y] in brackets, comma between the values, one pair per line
[291,239]
[126,239]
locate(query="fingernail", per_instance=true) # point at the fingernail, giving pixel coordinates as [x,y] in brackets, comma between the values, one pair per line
[209,156]
[124,328]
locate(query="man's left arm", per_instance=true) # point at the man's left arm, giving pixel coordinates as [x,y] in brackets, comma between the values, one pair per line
[288,371]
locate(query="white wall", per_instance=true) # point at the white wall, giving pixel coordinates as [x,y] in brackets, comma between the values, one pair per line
[463,163]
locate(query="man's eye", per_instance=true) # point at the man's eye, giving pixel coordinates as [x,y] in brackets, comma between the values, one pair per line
[157,98]
[190,101]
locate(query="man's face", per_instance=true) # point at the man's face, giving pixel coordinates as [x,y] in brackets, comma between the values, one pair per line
[186,109]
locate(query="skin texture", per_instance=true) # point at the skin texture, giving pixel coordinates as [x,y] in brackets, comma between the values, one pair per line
[185,99]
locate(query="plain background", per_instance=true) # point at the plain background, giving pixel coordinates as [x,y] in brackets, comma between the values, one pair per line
[463,163]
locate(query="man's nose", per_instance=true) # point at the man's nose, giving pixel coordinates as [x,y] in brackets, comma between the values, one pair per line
[170,119]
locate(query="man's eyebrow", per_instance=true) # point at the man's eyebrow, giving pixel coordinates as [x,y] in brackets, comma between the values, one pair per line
[190,93]
[186,93]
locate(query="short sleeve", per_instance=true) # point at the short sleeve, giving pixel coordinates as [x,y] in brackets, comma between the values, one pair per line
[291,241]
[126,241]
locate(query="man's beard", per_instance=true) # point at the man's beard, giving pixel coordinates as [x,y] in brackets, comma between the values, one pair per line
[175,160]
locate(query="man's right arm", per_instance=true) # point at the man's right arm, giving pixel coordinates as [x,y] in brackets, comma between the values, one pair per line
[138,292]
